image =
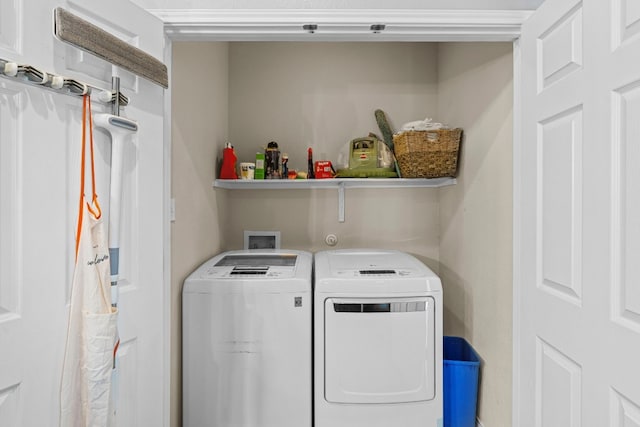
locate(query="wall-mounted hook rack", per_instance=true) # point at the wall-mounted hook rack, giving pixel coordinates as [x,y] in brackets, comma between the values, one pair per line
[34,76]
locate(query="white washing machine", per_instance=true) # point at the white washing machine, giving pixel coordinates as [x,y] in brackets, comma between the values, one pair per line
[247,339]
[378,340]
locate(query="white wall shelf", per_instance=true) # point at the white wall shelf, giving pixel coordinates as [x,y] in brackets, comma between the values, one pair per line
[283,184]
[338,183]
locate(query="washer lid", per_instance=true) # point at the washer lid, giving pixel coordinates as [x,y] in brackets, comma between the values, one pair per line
[253,265]
[249,266]
[258,260]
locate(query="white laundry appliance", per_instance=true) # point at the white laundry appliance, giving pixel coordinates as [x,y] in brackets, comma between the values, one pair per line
[377,340]
[247,339]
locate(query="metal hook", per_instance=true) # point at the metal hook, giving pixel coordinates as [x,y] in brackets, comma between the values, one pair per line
[76,87]
[33,74]
[115,87]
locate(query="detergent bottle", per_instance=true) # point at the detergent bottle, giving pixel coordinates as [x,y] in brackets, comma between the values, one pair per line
[229,159]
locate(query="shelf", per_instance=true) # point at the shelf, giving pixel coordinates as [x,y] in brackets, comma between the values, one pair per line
[338,183]
[284,184]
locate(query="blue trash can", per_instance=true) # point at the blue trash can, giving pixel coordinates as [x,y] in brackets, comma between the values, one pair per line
[460,382]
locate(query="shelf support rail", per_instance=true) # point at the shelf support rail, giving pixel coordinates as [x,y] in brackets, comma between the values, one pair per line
[341,202]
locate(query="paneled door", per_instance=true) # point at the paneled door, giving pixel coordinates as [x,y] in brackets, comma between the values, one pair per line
[40,135]
[577,223]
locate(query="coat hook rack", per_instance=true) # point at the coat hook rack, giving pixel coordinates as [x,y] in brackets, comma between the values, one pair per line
[34,76]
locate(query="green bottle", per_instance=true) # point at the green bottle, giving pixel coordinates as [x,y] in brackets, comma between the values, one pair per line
[259,172]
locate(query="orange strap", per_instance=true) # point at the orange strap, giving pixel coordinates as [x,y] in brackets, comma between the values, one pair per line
[94,197]
[97,212]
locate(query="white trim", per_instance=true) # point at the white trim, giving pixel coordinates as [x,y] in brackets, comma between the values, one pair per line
[341,24]
[166,327]
[517,228]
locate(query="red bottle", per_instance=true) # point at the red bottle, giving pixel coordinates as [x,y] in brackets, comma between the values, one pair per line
[229,160]
[310,172]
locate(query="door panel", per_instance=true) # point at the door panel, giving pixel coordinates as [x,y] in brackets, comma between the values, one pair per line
[10,101]
[560,204]
[558,387]
[40,135]
[624,412]
[10,36]
[626,21]
[560,48]
[579,301]
[626,200]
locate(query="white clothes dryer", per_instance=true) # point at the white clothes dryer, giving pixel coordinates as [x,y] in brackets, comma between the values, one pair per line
[247,339]
[377,340]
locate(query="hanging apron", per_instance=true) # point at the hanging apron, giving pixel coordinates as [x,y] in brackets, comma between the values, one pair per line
[92,333]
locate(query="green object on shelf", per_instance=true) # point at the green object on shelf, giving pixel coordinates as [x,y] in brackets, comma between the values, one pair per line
[387,134]
[368,158]
[259,170]
[383,124]
[366,173]
[363,153]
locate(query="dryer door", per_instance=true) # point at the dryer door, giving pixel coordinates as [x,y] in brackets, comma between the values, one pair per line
[379,350]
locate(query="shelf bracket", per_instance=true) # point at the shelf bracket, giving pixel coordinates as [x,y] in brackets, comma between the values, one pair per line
[341,202]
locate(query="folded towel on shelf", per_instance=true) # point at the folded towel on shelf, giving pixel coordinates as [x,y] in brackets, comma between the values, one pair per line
[426,124]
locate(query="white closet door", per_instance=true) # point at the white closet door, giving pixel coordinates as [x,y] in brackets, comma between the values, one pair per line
[40,134]
[577,225]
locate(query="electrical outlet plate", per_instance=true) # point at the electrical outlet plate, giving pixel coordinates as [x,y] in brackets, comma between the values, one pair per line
[261,239]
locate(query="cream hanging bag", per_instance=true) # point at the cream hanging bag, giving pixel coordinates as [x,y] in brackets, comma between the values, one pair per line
[85,396]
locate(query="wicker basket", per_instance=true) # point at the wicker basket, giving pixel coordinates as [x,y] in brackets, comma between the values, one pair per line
[429,153]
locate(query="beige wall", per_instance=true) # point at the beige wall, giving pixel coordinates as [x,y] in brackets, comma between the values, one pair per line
[405,219]
[322,95]
[476,93]
[199,131]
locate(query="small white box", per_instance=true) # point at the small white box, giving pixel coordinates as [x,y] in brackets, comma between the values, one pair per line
[261,239]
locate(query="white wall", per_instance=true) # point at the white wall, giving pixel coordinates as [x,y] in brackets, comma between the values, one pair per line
[476,93]
[199,131]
